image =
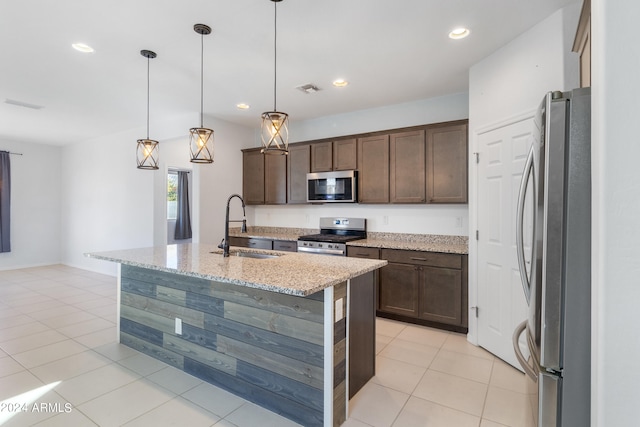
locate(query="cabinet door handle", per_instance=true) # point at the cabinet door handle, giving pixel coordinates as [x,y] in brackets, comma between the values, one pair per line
[364,255]
[417,259]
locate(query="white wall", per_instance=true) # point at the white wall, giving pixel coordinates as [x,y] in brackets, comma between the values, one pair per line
[425,111]
[107,203]
[35,205]
[514,79]
[430,219]
[616,208]
[436,219]
[211,183]
[512,82]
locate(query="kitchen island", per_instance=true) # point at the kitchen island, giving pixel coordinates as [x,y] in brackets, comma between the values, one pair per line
[273,330]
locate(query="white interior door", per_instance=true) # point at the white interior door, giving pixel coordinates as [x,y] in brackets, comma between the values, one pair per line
[500,298]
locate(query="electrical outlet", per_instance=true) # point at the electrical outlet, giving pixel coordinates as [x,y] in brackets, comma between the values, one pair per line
[307,219]
[459,222]
[385,220]
[178,326]
[339,309]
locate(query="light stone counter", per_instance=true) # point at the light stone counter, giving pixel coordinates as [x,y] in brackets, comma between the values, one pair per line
[275,233]
[290,273]
[412,242]
[415,242]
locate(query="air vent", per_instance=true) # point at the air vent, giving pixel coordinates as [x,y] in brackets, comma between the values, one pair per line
[23,104]
[308,88]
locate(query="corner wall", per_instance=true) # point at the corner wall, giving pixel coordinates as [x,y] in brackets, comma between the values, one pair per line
[616,204]
[35,205]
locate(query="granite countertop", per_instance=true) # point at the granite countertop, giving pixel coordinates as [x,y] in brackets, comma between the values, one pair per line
[415,242]
[275,233]
[290,273]
[412,242]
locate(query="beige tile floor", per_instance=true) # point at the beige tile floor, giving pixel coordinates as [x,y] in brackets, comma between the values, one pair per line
[60,366]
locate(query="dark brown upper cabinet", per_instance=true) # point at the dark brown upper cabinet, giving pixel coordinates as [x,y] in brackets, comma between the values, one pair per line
[264,178]
[447,164]
[407,173]
[275,179]
[299,162]
[418,164]
[334,155]
[373,169]
[253,177]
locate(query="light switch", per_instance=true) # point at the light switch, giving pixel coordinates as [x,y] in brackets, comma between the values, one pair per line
[178,326]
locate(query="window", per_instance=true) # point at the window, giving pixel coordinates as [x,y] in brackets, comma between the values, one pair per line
[172,195]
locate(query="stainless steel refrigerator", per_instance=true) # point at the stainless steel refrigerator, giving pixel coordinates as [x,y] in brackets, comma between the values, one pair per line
[555,266]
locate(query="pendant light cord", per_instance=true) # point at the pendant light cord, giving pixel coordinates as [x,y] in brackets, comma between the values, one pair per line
[275,53]
[148,74]
[201,79]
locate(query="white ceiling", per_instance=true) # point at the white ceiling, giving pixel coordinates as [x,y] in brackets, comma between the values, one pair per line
[390,51]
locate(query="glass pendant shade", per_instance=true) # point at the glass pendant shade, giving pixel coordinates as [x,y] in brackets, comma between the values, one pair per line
[147,154]
[275,132]
[200,141]
[148,149]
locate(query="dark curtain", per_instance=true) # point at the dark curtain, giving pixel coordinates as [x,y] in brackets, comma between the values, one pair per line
[183,217]
[5,202]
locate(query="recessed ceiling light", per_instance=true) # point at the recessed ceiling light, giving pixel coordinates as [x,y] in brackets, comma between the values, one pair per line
[81,47]
[459,33]
[340,83]
[243,106]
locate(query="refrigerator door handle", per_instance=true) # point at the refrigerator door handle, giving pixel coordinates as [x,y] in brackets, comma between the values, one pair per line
[516,348]
[526,176]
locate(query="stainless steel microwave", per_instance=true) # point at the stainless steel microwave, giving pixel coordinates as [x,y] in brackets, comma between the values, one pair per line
[337,186]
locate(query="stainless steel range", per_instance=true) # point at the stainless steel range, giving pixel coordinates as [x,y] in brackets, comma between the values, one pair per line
[334,234]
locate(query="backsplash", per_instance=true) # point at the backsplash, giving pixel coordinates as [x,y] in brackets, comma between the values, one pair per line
[451,220]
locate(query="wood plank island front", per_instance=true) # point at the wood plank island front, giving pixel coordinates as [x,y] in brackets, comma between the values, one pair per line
[275,331]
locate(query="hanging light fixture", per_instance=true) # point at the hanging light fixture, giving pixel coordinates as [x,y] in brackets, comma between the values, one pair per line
[275,124]
[201,138]
[147,151]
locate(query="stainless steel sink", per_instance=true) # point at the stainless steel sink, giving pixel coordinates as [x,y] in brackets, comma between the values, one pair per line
[253,255]
[247,254]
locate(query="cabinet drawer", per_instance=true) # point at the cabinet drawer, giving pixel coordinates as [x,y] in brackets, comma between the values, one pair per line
[247,242]
[285,245]
[434,259]
[362,252]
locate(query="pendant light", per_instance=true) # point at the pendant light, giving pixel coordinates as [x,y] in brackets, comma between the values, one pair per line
[201,138]
[275,124]
[147,151]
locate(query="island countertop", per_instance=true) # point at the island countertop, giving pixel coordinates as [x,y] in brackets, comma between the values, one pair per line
[289,273]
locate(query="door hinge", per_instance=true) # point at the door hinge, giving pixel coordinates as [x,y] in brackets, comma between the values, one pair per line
[475,309]
[477,235]
[477,154]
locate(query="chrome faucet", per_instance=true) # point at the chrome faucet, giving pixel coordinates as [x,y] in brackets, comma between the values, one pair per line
[224,245]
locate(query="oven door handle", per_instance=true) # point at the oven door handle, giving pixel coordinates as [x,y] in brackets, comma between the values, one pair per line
[321,251]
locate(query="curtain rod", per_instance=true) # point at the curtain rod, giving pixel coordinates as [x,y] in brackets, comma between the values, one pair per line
[11,152]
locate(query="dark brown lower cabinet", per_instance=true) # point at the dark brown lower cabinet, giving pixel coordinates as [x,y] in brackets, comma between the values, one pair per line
[399,288]
[425,288]
[276,245]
